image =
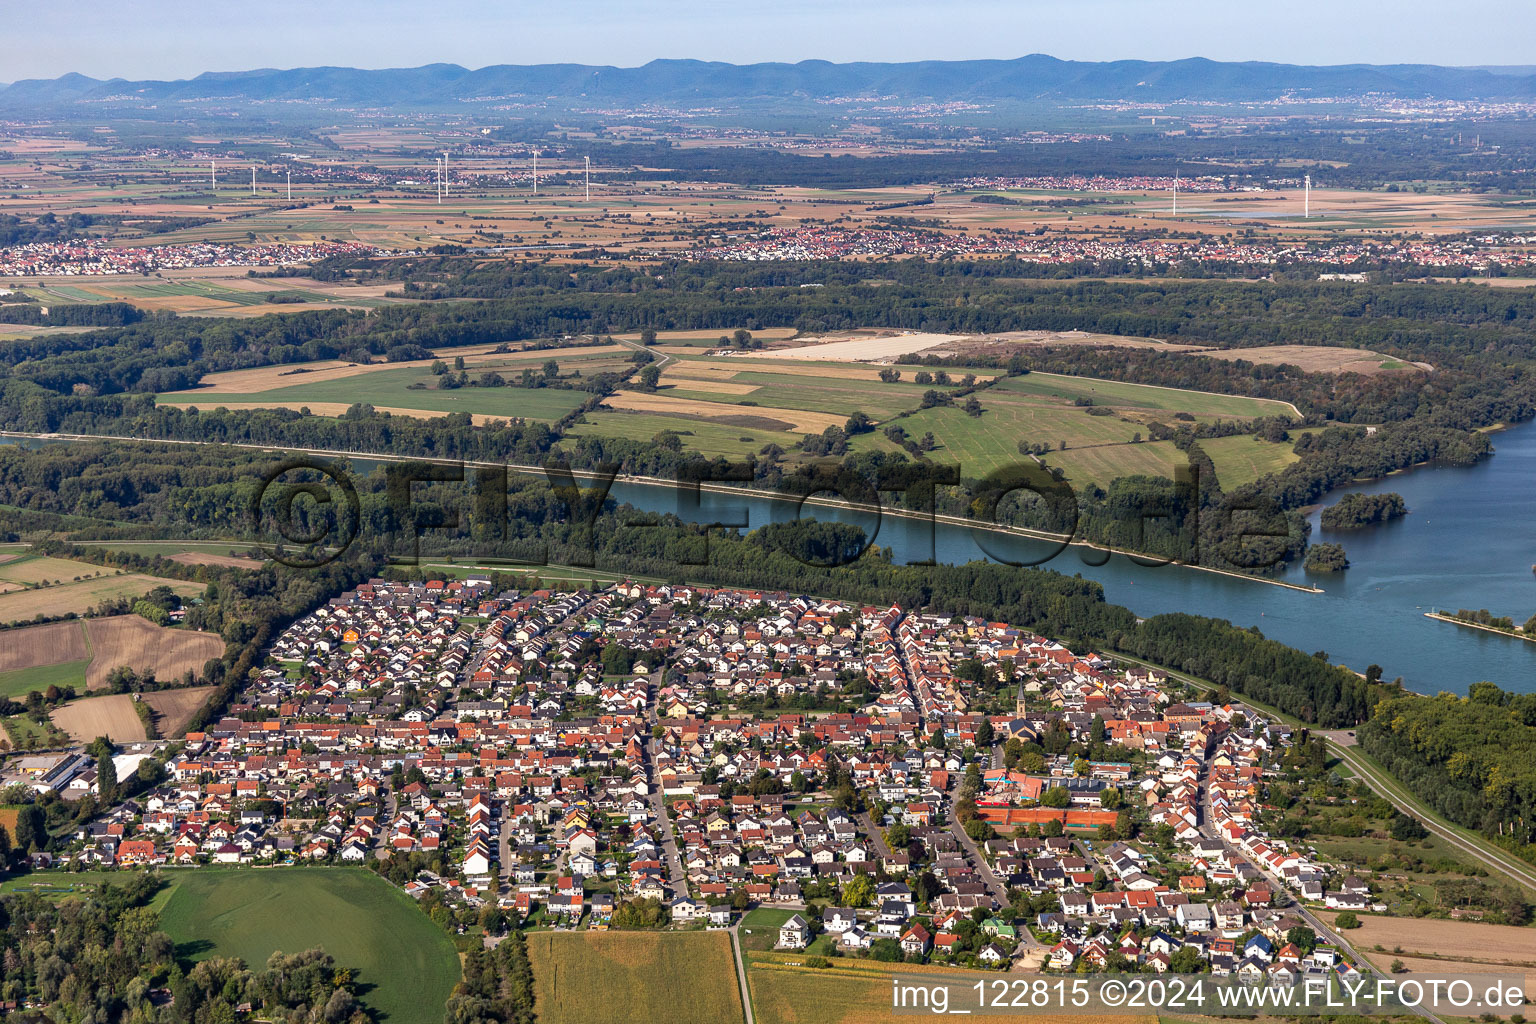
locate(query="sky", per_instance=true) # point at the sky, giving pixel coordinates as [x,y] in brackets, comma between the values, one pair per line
[166,39]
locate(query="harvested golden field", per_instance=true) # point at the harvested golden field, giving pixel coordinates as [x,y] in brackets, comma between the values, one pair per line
[112,716]
[80,597]
[48,644]
[860,992]
[270,378]
[1316,358]
[203,558]
[1443,968]
[859,350]
[797,419]
[1467,940]
[145,647]
[174,708]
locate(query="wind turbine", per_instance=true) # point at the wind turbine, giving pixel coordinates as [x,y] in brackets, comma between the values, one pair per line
[535,171]
[290,186]
[588,162]
[1175,192]
[253,182]
[445,172]
[213,175]
[1306,197]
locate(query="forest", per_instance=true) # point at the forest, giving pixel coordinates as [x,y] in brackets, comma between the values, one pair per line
[1476,340]
[1473,758]
[1354,511]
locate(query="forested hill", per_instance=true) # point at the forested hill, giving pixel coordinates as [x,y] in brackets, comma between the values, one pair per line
[1035,78]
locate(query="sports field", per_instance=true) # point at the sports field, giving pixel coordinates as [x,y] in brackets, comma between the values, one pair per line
[404,962]
[620,977]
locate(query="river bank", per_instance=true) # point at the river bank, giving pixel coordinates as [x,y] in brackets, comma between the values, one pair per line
[1461,547]
[1514,634]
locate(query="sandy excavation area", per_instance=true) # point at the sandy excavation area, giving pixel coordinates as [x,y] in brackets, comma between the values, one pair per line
[857,349]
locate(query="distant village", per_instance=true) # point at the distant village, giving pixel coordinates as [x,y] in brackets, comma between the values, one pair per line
[893,780]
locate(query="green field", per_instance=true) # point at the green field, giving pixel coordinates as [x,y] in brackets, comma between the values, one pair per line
[405,964]
[31,569]
[697,435]
[25,733]
[623,977]
[392,389]
[151,548]
[760,928]
[1242,460]
[25,605]
[1101,465]
[1040,409]
[22,681]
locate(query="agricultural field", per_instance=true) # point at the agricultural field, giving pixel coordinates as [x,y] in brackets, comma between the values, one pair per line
[1240,460]
[30,570]
[145,647]
[18,683]
[619,977]
[1464,940]
[43,646]
[1090,447]
[33,585]
[174,708]
[111,716]
[1317,358]
[410,388]
[83,652]
[1147,399]
[405,964]
[699,435]
[1100,465]
[784,991]
[190,295]
[231,554]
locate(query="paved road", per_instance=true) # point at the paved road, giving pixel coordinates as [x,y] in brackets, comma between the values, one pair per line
[875,835]
[741,972]
[1324,931]
[662,358]
[670,854]
[995,885]
[1343,744]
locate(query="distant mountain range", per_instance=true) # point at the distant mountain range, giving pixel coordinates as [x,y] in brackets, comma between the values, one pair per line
[1036,78]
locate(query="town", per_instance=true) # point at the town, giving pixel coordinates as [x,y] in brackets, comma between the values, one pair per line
[837,243]
[905,785]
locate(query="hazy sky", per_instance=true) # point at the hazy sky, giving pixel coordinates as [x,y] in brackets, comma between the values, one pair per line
[180,38]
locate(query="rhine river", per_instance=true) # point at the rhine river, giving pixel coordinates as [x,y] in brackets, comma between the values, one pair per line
[1468,541]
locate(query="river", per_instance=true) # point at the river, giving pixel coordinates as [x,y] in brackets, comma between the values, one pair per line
[1463,544]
